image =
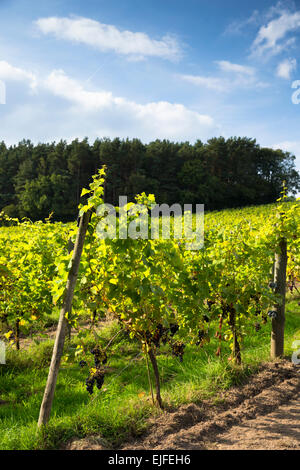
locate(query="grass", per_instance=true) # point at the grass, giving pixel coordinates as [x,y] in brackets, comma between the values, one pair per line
[120,410]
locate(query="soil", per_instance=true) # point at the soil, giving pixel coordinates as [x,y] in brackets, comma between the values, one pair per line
[89,443]
[263,413]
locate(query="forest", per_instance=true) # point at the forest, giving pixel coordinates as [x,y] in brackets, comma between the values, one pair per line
[39,179]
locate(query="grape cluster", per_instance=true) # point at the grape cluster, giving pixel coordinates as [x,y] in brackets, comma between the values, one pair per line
[201,335]
[90,381]
[82,363]
[226,311]
[173,329]
[256,296]
[160,334]
[178,349]
[99,356]
[99,377]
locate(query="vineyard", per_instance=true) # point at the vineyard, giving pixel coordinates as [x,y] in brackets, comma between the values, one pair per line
[151,325]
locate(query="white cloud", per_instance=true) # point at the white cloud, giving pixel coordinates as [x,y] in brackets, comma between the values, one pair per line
[285,68]
[61,85]
[151,120]
[227,66]
[236,27]
[10,73]
[271,40]
[109,38]
[289,146]
[236,76]
[212,83]
[94,113]
[172,120]
[292,146]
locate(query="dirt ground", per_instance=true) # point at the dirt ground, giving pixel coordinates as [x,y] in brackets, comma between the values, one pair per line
[277,430]
[261,414]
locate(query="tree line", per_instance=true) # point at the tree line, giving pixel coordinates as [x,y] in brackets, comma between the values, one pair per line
[37,179]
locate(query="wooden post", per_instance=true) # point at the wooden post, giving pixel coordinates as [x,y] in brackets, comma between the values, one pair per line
[18,334]
[61,329]
[277,335]
[70,248]
[236,350]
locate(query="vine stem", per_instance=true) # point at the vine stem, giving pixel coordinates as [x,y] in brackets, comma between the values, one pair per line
[157,379]
[149,377]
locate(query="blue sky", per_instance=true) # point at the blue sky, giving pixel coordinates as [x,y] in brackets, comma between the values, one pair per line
[181,70]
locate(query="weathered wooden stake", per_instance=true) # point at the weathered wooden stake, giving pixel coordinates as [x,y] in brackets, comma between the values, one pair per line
[61,329]
[18,334]
[277,335]
[69,328]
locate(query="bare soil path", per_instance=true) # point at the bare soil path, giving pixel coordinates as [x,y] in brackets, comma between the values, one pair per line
[261,414]
[277,430]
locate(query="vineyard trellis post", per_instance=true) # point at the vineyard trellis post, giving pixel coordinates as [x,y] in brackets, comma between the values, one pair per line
[61,329]
[70,249]
[278,322]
